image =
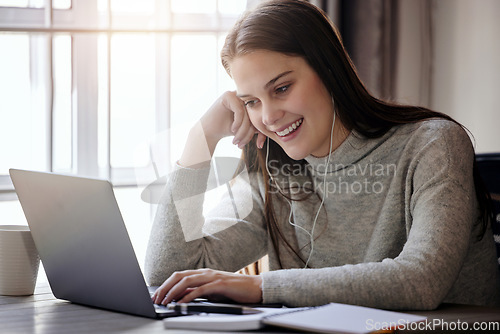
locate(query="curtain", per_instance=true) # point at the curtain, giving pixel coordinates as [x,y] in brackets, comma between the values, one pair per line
[369,31]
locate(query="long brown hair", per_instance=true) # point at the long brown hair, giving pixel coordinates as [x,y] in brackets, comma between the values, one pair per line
[298,28]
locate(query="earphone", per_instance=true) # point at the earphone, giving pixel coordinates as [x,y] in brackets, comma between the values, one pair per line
[310,234]
[324,191]
[281,191]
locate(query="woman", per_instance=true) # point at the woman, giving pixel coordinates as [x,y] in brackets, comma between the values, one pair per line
[355,200]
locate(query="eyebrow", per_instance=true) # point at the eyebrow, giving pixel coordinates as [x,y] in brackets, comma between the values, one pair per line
[270,82]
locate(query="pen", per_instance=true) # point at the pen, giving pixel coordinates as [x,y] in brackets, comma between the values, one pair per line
[188,308]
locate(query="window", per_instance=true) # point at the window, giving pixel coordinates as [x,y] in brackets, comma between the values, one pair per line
[107,89]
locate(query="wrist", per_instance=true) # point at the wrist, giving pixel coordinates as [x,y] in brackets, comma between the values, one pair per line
[210,130]
[198,149]
[259,282]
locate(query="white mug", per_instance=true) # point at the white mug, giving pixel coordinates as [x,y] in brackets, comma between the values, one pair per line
[19,261]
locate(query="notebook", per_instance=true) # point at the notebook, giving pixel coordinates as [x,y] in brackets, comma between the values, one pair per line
[330,318]
[83,243]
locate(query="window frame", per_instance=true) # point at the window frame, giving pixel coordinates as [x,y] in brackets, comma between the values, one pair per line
[84,23]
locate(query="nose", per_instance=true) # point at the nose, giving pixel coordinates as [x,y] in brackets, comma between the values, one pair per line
[271,113]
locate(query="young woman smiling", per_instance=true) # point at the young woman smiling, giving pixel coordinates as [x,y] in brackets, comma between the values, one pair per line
[410,238]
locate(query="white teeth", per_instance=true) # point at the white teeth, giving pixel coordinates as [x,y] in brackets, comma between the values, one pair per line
[290,129]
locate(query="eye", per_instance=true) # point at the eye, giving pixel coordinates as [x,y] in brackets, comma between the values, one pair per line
[250,103]
[281,89]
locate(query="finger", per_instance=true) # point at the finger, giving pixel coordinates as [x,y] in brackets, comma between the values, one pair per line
[235,287]
[185,292]
[261,139]
[238,119]
[210,288]
[245,130]
[237,106]
[247,138]
[160,293]
[178,298]
[188,282]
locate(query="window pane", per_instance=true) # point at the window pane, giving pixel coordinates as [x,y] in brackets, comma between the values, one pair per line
[132,96]
[137,216]
[193,83]
[14,3]
[225,147]
[133,6]
[15,102]
[232,7]
[62,134]
[102,5]
[61,4]
[37,3]
[193,6]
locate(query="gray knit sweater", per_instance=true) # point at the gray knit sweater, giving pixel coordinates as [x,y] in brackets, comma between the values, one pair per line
[397,229]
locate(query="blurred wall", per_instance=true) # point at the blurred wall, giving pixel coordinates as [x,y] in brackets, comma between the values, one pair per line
[449,60]
[466,67]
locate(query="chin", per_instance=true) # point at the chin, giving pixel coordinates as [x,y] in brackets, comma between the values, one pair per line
[295,155]
[295,151]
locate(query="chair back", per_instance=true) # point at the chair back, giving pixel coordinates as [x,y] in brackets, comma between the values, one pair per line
[489,169]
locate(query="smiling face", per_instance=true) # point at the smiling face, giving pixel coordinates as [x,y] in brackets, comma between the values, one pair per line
[285,100]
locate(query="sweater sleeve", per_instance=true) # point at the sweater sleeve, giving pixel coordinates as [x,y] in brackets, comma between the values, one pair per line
[440,212]
[230,237]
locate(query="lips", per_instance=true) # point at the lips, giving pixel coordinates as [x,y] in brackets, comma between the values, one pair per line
[291,129]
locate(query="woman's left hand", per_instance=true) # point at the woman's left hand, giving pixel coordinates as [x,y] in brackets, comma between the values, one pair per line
[184,286]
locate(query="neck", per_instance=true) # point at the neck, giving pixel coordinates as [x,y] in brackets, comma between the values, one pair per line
[340,133]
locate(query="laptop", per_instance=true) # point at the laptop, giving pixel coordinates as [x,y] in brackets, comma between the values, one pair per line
[83,243]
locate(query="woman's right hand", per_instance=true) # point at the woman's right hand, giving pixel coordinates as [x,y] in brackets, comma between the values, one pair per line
[226,117]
